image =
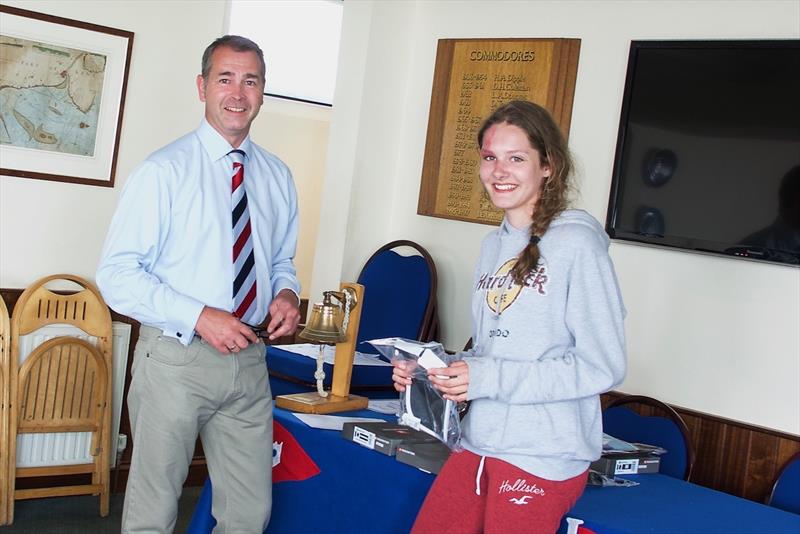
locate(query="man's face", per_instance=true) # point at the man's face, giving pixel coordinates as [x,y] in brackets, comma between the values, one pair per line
[233,92]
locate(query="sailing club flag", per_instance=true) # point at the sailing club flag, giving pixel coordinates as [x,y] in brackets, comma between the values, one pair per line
[289,460]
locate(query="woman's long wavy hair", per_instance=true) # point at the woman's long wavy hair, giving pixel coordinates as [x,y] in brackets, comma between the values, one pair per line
[546,137]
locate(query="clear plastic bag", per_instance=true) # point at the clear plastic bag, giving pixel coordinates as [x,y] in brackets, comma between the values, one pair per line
[422,406]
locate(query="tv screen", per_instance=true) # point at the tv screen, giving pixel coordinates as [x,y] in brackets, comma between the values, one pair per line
[708,152]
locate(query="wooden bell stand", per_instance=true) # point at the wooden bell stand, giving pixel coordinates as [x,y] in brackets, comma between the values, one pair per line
[339,398]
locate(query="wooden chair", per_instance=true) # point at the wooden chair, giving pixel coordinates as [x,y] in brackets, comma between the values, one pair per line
[63,385]
[655,423]
[5,408]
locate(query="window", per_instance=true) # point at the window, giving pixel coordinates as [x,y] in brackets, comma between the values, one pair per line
[300,40]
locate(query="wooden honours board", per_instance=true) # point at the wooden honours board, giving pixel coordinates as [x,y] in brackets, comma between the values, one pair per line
[471,79]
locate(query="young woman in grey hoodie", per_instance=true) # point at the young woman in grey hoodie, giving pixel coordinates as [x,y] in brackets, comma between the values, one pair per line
[548,340]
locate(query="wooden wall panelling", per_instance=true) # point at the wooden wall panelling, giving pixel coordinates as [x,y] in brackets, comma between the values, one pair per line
[763,456]
[729,476]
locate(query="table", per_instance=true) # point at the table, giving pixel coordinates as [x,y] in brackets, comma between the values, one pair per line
[357,490]
[664,505]
[362,491]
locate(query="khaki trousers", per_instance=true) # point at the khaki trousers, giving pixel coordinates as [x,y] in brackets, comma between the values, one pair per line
[178,393]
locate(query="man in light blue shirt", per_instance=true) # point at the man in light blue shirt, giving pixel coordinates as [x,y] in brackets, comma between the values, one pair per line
[167,262]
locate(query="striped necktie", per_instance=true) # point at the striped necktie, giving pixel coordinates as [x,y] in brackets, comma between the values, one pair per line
[244,269]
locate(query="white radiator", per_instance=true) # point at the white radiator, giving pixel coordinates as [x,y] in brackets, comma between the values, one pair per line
[65,448]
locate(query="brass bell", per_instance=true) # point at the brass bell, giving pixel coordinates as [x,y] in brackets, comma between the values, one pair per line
[335,320]
[325,324]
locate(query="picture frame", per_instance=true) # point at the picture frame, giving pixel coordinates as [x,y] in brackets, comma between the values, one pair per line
[62,96]
[472,77]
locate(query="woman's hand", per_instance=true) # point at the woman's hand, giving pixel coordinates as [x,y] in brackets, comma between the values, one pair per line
[452,381]
[401,374]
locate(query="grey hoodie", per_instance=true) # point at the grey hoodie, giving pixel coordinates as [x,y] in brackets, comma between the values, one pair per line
[543,352]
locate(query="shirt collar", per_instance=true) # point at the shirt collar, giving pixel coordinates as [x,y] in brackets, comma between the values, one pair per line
[215,145]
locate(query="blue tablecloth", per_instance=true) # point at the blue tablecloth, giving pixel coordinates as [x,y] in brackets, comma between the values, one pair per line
[357,490]
[664,505]
[361,491]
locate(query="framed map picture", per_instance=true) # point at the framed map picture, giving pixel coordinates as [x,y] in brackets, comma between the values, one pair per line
[62,92]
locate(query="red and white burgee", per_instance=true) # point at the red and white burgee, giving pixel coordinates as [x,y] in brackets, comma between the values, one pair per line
[289,460]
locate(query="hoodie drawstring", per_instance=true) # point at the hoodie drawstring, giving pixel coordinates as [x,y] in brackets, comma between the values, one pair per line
[478,476]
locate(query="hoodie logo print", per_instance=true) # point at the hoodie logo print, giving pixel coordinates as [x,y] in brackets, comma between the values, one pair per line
[521,500]
[501,291]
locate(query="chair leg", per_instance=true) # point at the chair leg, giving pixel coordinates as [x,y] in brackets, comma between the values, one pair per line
[10,508]
[105,479]
[5,506]
[104,498]
[11,488]
[100,476]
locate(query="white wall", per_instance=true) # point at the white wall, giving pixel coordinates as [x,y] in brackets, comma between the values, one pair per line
[298,134]
[49,227]
[714,334]
[67,231]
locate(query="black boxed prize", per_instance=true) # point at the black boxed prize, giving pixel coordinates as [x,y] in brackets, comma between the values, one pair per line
[427,456]
[383,436]
[626,464]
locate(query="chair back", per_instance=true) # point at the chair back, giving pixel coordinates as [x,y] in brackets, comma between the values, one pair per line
[786,489]
[5,407]
[399,295]
[664,428]
[399,301]
[62,388]
[63,385]
[85,309]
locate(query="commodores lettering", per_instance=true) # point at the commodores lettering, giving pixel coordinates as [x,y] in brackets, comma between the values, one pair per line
[502,55]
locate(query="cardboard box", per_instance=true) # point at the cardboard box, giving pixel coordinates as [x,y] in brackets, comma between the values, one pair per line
[383,436]
[626,464]
[429,457]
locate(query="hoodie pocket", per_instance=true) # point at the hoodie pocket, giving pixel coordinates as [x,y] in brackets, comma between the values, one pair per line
[541,429]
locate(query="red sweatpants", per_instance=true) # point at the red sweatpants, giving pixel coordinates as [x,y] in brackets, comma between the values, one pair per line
[510,500]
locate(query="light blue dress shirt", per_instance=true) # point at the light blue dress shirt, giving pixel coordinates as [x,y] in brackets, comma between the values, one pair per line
[169,248]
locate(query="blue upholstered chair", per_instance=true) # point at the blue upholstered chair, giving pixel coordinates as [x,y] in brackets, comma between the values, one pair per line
[664,428]
[399,295]
[399,301]
[786,489]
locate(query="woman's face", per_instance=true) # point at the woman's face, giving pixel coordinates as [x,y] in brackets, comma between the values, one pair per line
[512,172]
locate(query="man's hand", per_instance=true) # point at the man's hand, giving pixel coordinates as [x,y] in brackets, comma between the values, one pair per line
[223,331]
[284,311]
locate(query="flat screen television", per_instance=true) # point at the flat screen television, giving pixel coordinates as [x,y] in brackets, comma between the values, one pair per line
[708,151]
